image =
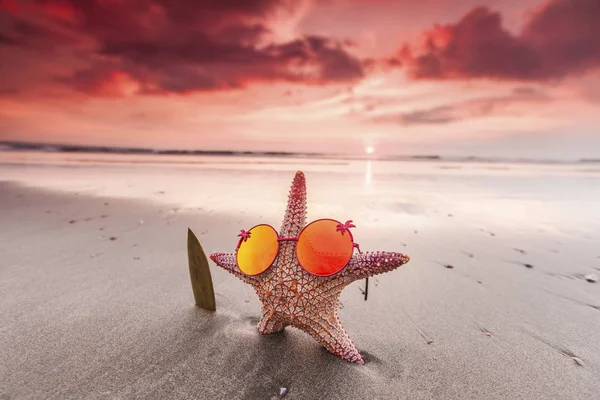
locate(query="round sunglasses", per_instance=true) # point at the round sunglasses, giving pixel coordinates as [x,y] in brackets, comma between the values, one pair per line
[323,248]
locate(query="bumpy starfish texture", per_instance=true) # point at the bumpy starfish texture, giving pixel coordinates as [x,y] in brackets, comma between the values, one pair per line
[291,296]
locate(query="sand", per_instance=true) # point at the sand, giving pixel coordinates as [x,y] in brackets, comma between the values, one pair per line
[86,316]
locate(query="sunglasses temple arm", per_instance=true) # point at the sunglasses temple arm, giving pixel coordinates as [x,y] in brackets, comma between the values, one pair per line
[367,278]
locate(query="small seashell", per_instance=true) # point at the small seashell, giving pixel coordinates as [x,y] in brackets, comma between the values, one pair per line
[578,361]
[282,391]
[591,278]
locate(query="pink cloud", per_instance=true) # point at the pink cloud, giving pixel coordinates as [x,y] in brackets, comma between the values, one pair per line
[184,46]
[561,38]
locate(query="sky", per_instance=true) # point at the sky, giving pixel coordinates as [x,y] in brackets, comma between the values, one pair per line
[510,78]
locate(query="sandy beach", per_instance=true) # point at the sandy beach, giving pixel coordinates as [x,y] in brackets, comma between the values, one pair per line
[96,302]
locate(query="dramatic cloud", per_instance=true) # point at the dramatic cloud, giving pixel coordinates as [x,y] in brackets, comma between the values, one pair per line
[561,38]
[160,46]
[115,48]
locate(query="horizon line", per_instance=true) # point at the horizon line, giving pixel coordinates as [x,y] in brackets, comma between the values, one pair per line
[76,148]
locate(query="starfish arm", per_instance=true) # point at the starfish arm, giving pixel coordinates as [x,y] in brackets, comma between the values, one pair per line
[330,333]
[228,263]
[373,263]
[295,214]
[270,322]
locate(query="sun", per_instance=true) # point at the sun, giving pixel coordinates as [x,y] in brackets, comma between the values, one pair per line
[369,149]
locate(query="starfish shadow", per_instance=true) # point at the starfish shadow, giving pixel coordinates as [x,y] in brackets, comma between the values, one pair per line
[226,350]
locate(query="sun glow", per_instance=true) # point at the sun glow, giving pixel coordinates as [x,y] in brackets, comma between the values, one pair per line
[369,149]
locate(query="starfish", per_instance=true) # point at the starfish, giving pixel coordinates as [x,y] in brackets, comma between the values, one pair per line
[291,296]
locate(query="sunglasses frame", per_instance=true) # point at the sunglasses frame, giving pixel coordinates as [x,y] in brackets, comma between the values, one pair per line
[284,239]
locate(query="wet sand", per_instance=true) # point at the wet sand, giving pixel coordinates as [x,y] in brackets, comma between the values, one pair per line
[95,299]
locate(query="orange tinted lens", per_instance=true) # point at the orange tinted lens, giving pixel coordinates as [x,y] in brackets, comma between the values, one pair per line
[257,253]
[322,250]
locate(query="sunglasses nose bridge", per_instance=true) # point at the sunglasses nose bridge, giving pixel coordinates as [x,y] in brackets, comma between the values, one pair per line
[287,239]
